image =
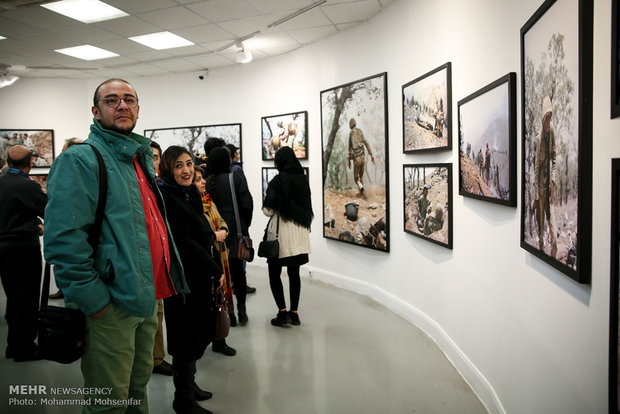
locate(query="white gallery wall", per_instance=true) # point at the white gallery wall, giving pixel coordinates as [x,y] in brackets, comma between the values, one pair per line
[527,338]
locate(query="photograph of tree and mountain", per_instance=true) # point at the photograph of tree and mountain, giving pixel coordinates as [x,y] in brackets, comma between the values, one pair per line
[551,170]
[426,111]
[487,143]
[193,138]
[428,202]
[355,167]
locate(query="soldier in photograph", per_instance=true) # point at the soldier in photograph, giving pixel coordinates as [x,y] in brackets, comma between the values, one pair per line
[544,179]
[357,142]
[424,205]
[487,164]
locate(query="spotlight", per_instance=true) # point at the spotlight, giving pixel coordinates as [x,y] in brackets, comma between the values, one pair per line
[243,55]
[7,80]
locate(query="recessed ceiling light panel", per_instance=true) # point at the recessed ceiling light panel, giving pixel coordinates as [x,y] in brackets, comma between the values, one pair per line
[161,40]
[86,11]
[87,52]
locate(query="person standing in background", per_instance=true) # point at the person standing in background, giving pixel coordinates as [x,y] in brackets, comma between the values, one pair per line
[22,202]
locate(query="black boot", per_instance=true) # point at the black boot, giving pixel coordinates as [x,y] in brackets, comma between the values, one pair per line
[281,319]
[220,345]
[200,395]
[243,317]
[184,395]
[233,318]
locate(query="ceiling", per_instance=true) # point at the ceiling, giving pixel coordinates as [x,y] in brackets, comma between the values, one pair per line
[214,26]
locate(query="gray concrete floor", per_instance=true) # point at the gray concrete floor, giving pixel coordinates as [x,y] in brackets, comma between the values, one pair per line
[350,355]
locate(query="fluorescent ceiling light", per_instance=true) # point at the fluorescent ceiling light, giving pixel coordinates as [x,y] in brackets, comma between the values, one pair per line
[161,40]
[2,37]
[87,52]
[86,11]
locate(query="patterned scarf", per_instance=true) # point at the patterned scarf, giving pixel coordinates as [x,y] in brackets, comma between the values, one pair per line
[214,217]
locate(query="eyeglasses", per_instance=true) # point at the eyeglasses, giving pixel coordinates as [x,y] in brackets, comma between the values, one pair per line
[114,101]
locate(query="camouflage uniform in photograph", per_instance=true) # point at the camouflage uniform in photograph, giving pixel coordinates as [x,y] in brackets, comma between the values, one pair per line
[357,142]
[544,179]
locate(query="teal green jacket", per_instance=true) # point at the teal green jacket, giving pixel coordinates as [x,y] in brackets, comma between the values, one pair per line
[121,270]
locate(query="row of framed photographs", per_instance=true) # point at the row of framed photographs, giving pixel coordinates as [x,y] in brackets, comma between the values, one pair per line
[556,120]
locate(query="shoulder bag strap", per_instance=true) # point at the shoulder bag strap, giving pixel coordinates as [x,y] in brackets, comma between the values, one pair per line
[235,207]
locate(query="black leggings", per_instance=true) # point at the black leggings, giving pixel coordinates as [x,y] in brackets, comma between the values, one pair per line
[275,269]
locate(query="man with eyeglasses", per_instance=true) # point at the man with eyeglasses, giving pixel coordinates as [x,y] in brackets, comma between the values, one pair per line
[135,261]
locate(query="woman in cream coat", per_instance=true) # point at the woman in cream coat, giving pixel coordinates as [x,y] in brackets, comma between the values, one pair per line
[289,205]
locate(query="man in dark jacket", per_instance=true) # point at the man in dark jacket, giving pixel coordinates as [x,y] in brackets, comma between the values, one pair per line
[22,202]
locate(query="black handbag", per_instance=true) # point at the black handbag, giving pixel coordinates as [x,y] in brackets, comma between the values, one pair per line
[270,249]
[222,319]
[61,331]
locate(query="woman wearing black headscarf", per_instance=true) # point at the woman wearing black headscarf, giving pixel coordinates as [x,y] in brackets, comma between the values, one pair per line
[190,319]
[289,205]
[218,186]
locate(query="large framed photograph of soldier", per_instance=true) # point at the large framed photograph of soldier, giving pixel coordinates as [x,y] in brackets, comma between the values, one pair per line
[354,139]
[286,130]
[427,195]
[614,291]
[488,142]
[268,173]
[615,59]
[193,138]
[39,141]
[427,111]
[556,116]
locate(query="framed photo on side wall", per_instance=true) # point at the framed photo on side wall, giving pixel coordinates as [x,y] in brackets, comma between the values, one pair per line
[427,111]
[287,130]
[193,138]
[614,293]
[427,193]
[39,141]
[354,136]
[615,59]
[556,116]
[488,142]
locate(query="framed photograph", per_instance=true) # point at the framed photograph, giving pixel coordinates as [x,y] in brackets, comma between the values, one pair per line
[354,137]
[40,141]
[556,116]
[41,179]
[193,138]
[615,60]
[269,172]
[427,190]
[427,111]
[614,294]
[488,142]
[287,130]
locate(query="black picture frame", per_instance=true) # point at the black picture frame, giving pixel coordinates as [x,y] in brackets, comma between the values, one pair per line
[556,74]
[436,225]
[487,121]
[614,293]
[267,174]
[615,60]
[194,137]
[427,111]
[356,211]
[293,124]
[40,141]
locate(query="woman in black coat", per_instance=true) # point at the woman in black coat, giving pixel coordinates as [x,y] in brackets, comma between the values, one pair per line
[190,319]
[218,186]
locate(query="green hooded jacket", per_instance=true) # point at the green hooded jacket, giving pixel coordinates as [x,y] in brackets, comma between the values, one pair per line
[121,270]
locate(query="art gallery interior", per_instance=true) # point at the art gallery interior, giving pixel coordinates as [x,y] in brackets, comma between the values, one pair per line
[525,337]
